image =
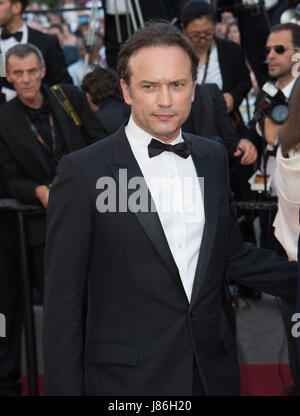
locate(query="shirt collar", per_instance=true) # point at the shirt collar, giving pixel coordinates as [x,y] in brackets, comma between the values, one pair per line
[287,90]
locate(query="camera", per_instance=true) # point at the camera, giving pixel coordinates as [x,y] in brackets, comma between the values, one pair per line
[273,105]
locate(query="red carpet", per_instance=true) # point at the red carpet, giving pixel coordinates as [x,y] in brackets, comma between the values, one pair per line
[256,380]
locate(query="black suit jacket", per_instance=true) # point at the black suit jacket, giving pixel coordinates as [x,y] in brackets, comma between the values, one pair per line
[22,163]
[235,75]
[142,334]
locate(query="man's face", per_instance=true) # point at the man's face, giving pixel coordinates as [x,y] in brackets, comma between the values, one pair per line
[8,11]
[161,90]
[26,75]
[280,65]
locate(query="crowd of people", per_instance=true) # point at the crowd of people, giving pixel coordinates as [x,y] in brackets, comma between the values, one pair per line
[67,90]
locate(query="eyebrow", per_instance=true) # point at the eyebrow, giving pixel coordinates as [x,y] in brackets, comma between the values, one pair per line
[157,82]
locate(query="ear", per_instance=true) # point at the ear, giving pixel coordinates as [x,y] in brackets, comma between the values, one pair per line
[126,92]
[8,77]
[43,71]
[193,91]
[17,7]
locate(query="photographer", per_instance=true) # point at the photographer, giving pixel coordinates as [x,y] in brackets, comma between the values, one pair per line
[272,110]
[281,54]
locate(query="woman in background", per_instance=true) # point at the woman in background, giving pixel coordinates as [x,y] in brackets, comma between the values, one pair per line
[286,223]
[287,179]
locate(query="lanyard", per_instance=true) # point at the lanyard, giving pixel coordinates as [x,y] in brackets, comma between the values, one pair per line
[206,65]
[39,137]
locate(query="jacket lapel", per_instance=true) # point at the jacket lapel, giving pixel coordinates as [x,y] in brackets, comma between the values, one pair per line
[204,170]
[123,158]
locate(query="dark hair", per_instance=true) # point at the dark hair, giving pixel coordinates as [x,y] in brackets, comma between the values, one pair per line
[160,33]
[196,9]
[289,137]
[293,27]
[22,50]
[101,84]
[24,4]
[56,26]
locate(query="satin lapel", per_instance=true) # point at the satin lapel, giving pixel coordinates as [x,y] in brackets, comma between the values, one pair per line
[204,170]
[123,158]
[26,138]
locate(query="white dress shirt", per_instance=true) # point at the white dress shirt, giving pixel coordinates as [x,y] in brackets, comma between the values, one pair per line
[175,190]
[7,44]
[213,75]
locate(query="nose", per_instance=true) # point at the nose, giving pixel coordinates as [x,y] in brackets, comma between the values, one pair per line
[164,98]
[272,53]
[25,77]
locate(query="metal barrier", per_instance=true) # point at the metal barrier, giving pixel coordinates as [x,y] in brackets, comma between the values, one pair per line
[22,210]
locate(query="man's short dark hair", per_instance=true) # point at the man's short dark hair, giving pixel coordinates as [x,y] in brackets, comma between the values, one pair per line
[197,9]
[160,33]
[102,84]
[293,27]
[23,50]
[24,3]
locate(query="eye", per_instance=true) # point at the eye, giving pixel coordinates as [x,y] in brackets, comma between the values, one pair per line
[178,84]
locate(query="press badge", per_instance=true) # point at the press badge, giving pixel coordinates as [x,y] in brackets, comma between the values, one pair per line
[257,181]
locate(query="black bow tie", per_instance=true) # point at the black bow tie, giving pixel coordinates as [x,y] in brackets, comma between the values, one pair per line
[40,113]
[182,149]
[6,35]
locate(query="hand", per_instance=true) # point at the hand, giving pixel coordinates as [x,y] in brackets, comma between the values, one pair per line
[271,130]
[42,194]
[249,152]
[229,101]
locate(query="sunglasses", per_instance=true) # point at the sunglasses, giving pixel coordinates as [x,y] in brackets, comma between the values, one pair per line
[279,49]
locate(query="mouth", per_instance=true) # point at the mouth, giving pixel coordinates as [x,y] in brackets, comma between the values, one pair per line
[164,117]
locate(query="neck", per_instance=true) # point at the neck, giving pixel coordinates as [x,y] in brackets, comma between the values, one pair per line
[14,25]
[35,102]
[202,53]
[284,81]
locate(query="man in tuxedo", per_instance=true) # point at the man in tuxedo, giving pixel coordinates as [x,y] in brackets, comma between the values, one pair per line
[131,226]
[35,131]
[14,30]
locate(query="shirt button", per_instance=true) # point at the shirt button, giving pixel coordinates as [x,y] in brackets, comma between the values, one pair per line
[179,245]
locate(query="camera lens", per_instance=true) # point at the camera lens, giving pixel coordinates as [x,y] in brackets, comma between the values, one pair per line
[280,113]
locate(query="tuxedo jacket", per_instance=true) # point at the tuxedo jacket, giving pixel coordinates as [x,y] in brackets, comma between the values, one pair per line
[23,164]
[56,68]
[142,334]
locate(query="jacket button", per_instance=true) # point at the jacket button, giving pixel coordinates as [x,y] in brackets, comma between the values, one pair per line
[192,314]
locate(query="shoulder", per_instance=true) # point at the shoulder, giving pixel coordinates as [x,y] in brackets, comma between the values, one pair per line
[228,46]
[205,145]
[99,152]
[6,110]
[37,34]
[70,90]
